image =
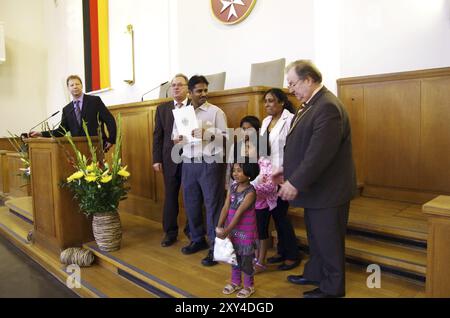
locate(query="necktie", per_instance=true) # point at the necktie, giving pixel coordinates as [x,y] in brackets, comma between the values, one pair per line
[298,114]
[78,111]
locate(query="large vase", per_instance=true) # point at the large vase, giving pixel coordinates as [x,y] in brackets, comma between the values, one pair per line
[107,231]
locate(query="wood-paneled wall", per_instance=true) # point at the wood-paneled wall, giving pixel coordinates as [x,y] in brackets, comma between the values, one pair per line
[4,174]
[147,187]
[17,184]
[5,144]
[401,135]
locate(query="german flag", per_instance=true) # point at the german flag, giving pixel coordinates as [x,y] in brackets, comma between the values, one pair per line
[96,44]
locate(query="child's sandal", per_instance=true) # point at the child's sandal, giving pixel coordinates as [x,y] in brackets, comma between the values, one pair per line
[246,292]
[231,288]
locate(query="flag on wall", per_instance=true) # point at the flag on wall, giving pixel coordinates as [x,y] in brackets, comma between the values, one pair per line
[96,44]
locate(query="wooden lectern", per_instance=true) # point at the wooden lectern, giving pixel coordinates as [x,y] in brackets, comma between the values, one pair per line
[58,223]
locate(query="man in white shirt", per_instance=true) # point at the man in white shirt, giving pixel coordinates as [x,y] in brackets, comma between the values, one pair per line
[203,169]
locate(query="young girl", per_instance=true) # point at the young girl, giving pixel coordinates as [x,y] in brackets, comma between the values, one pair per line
[238,222]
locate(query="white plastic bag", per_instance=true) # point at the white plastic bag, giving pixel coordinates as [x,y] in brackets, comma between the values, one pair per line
[224,251]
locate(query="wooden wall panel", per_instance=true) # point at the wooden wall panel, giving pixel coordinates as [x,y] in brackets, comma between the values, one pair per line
[43,192]
[406,136]
[435,140]
[5,144]
[136,150]
[393,133]
[4,176]
[18,185]
[352,97]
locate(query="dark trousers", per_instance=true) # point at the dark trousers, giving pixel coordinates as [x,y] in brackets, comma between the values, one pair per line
[326,230]
[203,183]
[171,208]
[287,242]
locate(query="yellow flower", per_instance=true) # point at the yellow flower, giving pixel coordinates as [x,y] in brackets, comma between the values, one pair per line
[91,167]
[77,175]
[123,172]
[90,177]
[106,179]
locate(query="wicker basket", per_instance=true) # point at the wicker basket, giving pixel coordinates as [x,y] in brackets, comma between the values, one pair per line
[107,231]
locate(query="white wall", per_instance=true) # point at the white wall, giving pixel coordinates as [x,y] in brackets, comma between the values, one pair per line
[23,75]
[65,28]
[275,29]
[383,36]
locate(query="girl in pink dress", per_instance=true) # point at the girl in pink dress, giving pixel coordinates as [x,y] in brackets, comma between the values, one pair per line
[238,222]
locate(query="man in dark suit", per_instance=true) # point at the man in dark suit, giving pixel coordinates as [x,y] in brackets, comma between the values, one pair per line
[162,160]
[319,175]
[87,108]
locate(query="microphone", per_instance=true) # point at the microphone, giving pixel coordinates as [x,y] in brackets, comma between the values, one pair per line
[142,98]
[54,114]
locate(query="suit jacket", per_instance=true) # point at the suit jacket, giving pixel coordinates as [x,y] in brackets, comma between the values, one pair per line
[92,106]
[277,137]
[162,138]
[318,154]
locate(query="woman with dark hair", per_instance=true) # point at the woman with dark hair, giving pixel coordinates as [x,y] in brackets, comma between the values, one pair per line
[275,128]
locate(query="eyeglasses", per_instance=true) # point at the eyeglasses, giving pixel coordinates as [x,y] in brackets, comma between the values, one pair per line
[177,85]
[290,85]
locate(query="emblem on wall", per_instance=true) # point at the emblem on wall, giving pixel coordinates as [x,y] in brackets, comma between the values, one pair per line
[232,11]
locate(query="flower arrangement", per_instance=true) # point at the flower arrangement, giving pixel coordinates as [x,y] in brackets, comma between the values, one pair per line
[97,185]
[22,149]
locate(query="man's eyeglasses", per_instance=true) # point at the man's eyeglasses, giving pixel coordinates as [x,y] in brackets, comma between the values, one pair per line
[290,85]
[177,85]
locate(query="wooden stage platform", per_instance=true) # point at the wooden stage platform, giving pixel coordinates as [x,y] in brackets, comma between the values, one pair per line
[142,268]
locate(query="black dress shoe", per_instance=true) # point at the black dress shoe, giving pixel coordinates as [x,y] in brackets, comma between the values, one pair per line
[167,241]
[286,267]
[209,259]
[317,293]
[300,280]
[275,259]
[194,247]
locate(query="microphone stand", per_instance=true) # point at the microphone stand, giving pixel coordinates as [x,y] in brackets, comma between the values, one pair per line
[54,114]
[142,98]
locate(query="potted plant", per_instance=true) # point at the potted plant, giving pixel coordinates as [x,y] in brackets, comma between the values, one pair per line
[99,186]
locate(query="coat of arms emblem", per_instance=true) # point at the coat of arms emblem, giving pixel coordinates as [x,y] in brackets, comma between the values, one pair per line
[232,11]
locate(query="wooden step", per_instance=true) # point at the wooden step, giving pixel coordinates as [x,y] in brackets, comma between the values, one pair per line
[96,281]
[14,226]
[406,259]
[142,251]
[23,207]
[146,263]
[384,217]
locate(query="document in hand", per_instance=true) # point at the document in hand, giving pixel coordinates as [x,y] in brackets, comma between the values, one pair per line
[186,122]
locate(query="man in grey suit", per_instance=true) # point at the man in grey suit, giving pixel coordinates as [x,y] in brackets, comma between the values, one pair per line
[162,160]
[319,175]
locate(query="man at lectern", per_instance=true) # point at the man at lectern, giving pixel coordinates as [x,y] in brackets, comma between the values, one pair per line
[83,107]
